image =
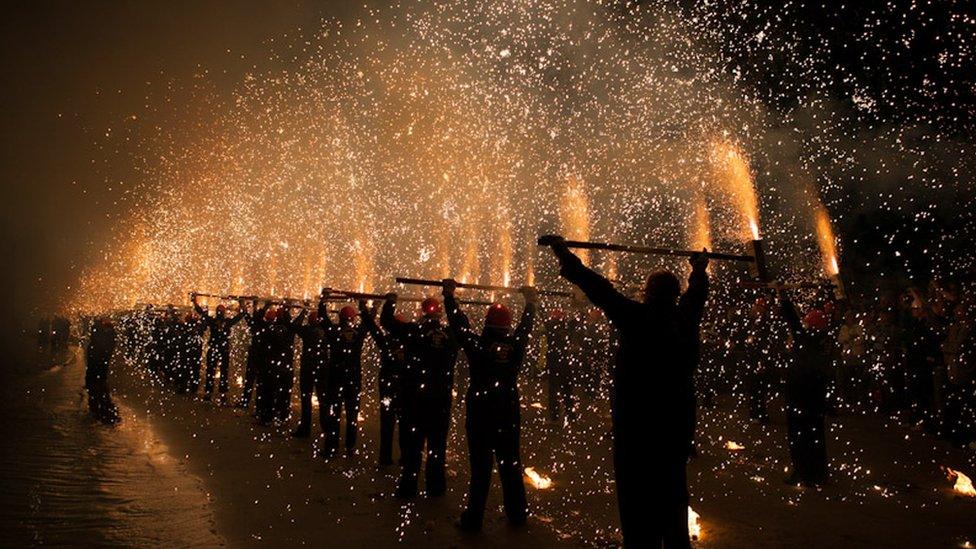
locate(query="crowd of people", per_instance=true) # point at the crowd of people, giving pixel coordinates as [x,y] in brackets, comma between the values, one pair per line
[655,360]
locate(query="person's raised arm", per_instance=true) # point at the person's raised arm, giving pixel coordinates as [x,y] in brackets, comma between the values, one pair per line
[296,323]
[324,309]
[524,328]
[597,288]
[240,313]
[456,319]
[363,327]
[692,302]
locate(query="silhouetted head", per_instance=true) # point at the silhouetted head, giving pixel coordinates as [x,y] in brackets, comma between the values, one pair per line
[347,314]
[431,307]
[815,320]
[498,318]
[221,311]
[662,287]
[313,317]
[270,314]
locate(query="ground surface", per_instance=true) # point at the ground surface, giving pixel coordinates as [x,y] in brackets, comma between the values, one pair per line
[888,486]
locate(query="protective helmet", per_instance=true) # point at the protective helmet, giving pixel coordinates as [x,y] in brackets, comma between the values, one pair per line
[815,319]
[313,317]
[347,313]
[662,286]
[271,314]
[557,314]
[498,316]
[400,317]
[431,306]
[190,317]
[594,314]
[221,309]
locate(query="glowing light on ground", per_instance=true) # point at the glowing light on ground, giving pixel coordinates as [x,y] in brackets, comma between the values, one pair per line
[538,481]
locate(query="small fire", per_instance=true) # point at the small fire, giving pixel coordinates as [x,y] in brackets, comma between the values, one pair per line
[537,405]
[694,524]
[239,380]
[733,446]
[538,481]
[964,485]
[826,240]
[735,177]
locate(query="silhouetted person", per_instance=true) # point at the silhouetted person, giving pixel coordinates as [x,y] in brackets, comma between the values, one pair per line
[256,355]
[344,383]
[653,399]
[218,349]
[191,332]
[266,375]
[759,350]
[493,415]
[98,355]
[281,340]
[426,385]
[312,373]
[393,359]
[559,370]
[806,394]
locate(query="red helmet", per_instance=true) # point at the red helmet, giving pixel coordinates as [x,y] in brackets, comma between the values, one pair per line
[557,314]
[431,306]
[830,308]
[270,315]
[594,314]
[815,319]
[221,309]
[347,313]
[400,317]
[498,316]
[313,317]
[190,317]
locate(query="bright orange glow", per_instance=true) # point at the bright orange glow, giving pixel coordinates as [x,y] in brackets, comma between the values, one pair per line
[735,178]
[733,446]
[694,524]
[540,482]
[963,485]
[574,214]
[701,233]
[826,240]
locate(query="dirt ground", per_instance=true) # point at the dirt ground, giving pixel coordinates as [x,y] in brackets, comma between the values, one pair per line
[888,487]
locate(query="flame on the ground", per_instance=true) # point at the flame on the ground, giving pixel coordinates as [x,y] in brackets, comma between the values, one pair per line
[963,485]
[733,446]
[574,214]
[239,381]
[694,524]
[733,174]
[826,240]
[538,481]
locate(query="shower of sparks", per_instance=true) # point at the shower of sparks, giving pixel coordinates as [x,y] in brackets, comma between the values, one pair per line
[826,240]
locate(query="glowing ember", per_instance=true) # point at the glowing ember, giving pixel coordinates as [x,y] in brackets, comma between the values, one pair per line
[733,446]
[538,481]
[964,485]
[694,524]
[826,241]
